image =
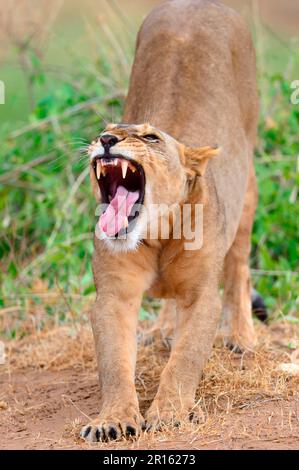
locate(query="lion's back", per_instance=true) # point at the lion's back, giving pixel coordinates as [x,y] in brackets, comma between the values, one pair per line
[194,56]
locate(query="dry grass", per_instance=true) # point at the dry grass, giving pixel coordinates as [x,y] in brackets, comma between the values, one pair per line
[241,396]
[230,381]
[232,386]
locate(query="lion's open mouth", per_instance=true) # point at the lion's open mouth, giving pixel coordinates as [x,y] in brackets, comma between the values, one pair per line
[122,186]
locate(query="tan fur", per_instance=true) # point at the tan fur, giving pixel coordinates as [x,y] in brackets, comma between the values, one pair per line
[193,79]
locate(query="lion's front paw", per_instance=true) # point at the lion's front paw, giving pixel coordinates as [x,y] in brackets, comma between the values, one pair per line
[114,426]
[161,415]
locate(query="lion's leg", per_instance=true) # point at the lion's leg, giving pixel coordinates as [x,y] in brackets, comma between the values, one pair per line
[114,323]
[237,329]
[197,321]
[163,327]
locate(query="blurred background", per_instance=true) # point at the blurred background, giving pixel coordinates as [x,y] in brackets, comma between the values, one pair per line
[65,65]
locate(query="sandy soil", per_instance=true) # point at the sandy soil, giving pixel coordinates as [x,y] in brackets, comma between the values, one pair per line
[49,389]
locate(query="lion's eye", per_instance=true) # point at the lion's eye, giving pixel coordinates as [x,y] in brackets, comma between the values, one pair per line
[151,137]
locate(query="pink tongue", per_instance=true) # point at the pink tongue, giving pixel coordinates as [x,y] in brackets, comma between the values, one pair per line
[113,219]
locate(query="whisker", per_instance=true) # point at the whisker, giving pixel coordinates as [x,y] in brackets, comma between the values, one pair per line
[101,116]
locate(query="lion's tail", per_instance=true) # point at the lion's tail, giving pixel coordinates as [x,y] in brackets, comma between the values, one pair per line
[259,308]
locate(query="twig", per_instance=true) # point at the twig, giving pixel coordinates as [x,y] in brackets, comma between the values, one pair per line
[117,47]
[25,167]
[65,397]
[68,112]
[120,12]
[261,272]
[43,294]
[269,159]
[16,308]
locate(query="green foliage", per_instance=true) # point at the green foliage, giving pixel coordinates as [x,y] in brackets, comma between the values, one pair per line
[276,229]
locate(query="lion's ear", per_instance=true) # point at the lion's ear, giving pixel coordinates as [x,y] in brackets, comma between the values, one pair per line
[195,160]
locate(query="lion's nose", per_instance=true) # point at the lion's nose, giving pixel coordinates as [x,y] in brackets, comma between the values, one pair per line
[108,141]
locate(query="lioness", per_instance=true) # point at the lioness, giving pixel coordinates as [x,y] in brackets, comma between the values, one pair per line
[193,85]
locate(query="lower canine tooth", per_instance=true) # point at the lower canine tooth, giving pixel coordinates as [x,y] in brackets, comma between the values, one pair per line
[124,167]
[99,170]
[104,171]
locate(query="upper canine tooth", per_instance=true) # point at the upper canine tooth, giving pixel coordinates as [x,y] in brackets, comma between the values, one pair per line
[132,168]
[99,170]
[124,167]
[126,222]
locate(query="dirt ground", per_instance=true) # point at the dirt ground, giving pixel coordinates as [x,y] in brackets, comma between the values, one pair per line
[49,389]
